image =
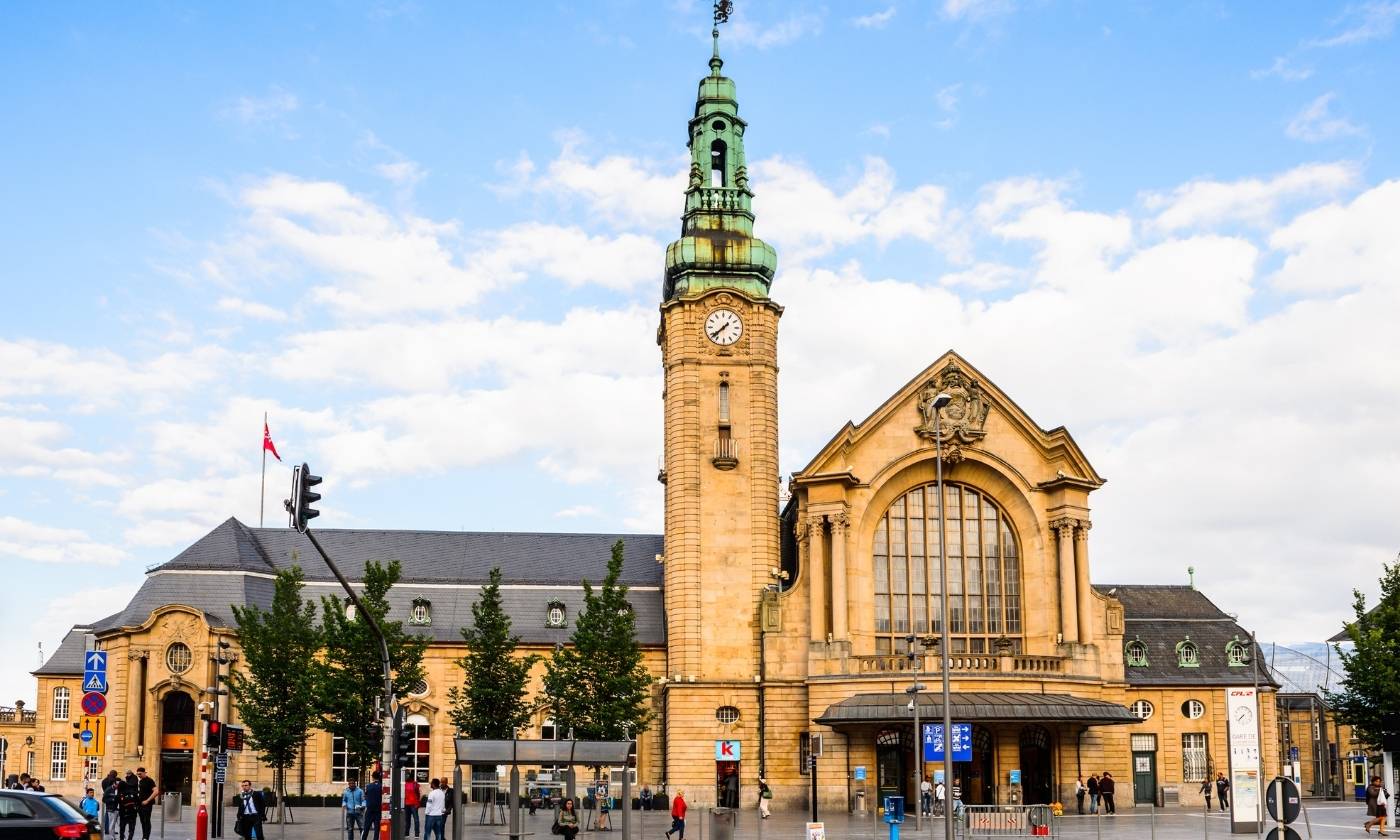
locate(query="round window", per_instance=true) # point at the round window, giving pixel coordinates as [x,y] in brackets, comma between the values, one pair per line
[419,688]
[1193,709]
[555,617]
[178,658]
[1141,709]
[727,714]
[718,125]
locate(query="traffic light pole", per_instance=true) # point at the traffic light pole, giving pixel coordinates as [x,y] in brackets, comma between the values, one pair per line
[389,776]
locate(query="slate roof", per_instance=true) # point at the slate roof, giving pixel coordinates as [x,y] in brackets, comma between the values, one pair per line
[984,706]
[1163,616]
[67,659]
[234,564]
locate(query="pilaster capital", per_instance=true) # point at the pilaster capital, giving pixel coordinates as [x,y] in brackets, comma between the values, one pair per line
[840,521]
[800,531]
[1081,532]
[1063,525]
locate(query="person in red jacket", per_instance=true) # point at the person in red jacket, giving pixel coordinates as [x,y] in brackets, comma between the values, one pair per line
[677,816]
[412,798]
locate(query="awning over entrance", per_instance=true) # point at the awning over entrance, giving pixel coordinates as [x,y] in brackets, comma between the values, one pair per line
[984,707]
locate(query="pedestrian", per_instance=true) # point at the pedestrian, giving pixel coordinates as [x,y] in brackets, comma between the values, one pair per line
[1106,786]
[926,797]
[147,790]
[677,816]
[435,813]
[1079,791]
[252,812]
[1206,787]
[128,806]
[940,794]
[1377,806]
[765,799]
[1222,791]
[957,797]
[1094,792]
[109,802]
[353,803]
[12,782]
[90,807]
[731,789]
[646,797]
[374,803]
[411,794]
[566,821]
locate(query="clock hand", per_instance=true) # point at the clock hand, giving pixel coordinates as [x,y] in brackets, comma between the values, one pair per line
[715,334]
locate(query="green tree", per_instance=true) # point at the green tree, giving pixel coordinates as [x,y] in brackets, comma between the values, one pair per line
[349,679]
[491,703]
[597,686]
[275,690]
[1370,689]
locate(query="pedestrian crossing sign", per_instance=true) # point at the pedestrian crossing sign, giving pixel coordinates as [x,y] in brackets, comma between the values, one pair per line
[95,681]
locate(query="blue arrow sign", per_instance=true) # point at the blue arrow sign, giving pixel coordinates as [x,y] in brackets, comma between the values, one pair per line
[934,742]
[96,661]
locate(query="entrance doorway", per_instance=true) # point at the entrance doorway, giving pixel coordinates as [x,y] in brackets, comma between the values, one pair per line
[1037,780]
[891,766]
[1144,768]
[978,776]
[176,773]
[177,714]
[727,784]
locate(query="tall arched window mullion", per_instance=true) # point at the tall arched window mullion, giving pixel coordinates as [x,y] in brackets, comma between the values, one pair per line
[984,591]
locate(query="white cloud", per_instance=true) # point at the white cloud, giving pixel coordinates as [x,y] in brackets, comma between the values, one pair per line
[745,32]
[405,173]
[257,110]
[875,20]
[947,99]
[1284,69]
[252,309]
[99,376]
[977,10]
[34,449]
[36,543]
[1203,202]
[576,511]
[1341,247]
[1316,122]
[983,276]
[625,191]
[1365,22]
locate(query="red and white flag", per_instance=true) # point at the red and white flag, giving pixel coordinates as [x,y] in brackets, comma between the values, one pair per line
[268,445]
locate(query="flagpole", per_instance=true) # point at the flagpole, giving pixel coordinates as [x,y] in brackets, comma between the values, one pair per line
[262,492]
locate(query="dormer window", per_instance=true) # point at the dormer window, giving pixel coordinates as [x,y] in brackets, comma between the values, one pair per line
[1136,654]
[718,151]
[1187,654]
[1237,653]
[421,613]
[554,615]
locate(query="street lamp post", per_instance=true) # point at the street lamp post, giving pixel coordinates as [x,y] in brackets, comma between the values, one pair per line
[917,647]
[938,403]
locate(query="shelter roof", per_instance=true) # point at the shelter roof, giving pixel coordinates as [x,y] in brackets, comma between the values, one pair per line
[981,707]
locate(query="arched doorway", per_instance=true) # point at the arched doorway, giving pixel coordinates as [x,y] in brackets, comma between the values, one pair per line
[977,778]
[177,744]
[891,763]
[1037,781]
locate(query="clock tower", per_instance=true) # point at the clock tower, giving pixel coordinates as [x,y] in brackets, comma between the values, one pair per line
[718,338]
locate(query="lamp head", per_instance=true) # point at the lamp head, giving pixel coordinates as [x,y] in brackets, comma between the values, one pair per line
[942,399]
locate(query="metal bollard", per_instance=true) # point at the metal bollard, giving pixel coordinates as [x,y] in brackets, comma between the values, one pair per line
[1098,824]
[1152,814]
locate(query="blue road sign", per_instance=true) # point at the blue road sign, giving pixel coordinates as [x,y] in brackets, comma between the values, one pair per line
[95,681]
[96,661]
[934,742]
[860,773]
[85,736]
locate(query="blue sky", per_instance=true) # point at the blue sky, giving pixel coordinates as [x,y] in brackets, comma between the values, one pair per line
[427,240]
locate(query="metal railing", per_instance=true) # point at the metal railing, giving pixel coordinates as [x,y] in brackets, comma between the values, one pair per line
[978,821]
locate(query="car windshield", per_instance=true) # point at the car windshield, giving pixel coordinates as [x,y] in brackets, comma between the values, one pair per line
[66,808]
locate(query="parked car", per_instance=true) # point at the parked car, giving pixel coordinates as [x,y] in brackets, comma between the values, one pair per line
[30,815]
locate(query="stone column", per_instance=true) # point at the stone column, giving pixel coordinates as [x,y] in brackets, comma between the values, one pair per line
[839,629]
[1081,581]
[1069,613]
[816,576]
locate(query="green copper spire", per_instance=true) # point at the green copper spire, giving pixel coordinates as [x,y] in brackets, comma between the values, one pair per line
[717,247]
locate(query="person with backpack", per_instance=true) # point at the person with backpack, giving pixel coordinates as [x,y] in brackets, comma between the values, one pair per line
[128,806]
[109,803]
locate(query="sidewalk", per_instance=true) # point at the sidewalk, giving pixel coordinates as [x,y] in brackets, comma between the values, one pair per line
[1330,821]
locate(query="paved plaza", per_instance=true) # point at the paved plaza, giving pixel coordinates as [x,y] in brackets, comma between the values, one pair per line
[1330,821]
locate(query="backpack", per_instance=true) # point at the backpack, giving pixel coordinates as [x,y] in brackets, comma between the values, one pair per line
[127,801]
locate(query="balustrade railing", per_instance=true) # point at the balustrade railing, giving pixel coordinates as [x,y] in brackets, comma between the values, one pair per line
[930,663]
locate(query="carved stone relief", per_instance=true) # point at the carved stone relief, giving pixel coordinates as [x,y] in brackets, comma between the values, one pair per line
[961,421]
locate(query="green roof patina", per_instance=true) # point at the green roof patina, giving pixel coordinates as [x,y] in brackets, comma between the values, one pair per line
[717,248]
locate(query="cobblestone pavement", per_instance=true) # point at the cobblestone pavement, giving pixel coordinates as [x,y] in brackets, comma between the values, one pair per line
[1330,821]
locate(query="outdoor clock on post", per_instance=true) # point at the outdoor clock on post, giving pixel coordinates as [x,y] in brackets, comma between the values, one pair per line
[723,327]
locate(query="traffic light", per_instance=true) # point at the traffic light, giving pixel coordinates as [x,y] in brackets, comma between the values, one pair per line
[403,745]
[299,505]
[212,734]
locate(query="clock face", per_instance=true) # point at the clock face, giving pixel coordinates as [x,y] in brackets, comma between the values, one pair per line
[724,327]
[1244,715]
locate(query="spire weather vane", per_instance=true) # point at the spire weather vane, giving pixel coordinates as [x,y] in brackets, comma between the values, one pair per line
[723,8]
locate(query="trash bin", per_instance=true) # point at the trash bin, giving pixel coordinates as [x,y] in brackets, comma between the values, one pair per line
[860,802]
[170,807]
[721,824]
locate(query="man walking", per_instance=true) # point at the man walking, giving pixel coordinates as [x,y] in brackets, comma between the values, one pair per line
[1093,786]
[1106,786]
[926,797]
[435,814]
[146,791]
[1222,791]
[252,811]
[374,803]
[411,795]
[353,801]
[677,817]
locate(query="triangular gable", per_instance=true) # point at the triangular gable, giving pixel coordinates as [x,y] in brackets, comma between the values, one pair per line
[1055,444]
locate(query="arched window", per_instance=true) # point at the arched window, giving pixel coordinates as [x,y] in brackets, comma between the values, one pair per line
[421,613]
[1136,653]
[984,571]
[718,152]
[178,657]
[1187,654]
[1236,653]
[60,703]
[554,615]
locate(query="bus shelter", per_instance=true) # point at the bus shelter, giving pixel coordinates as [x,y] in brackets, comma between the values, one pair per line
[515,752]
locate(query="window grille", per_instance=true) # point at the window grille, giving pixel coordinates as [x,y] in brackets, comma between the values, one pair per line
[1195,760]
[804,753]
[1144,743]
[727,714]
[178,658]
[1136,653]
[421,613]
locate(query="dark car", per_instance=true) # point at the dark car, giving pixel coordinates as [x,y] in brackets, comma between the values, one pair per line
[30,815]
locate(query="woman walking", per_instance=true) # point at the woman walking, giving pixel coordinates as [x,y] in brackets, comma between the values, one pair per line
[1377,806]
[1206,788]
[765,798]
